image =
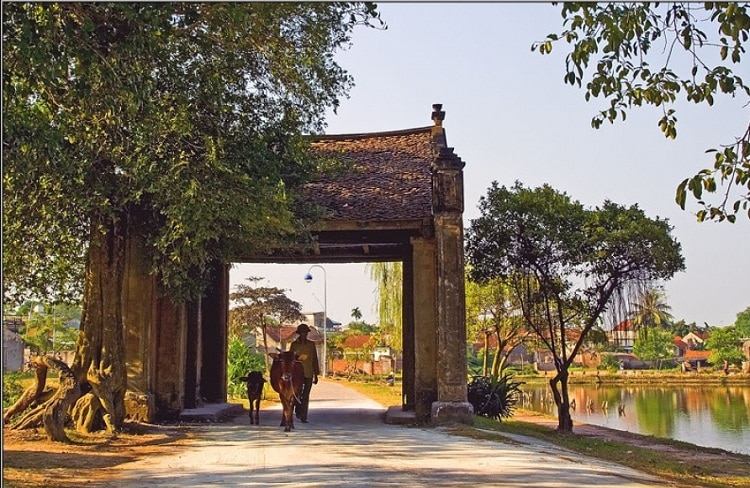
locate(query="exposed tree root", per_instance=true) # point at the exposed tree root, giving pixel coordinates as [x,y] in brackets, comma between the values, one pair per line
[34,395]
[52,414]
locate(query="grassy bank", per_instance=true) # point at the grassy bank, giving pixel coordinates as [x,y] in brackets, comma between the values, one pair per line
[680,463]
[647,376]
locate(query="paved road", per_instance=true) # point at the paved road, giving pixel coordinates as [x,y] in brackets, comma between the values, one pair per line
[346,444]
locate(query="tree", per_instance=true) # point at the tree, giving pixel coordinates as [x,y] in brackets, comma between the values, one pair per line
[491,311]
[260,307]
[566,265]
[650,310]
[724,346]
[389,279]
[356,314]
[742,324]
[681,328]
[46,329]
[175,125]
[653,344]
[633,50]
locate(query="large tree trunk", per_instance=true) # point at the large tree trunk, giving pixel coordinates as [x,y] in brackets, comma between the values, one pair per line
[562,400]
[100,355]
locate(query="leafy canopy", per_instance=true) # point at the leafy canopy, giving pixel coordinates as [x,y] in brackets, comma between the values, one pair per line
[260,306]
[742,324]
[653,344]
[629,55]
[724,344]
[566,265]
[184,119]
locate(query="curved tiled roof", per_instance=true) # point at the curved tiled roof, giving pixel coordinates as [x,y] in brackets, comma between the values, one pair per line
[390,176]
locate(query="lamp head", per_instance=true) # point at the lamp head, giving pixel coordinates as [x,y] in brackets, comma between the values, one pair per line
[308,277]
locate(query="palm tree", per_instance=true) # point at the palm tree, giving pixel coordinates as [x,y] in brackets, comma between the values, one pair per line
[356,314]
[651,310]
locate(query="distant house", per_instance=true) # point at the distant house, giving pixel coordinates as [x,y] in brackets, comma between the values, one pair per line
[315,319]
[359,352]
[695,340]
[623,335]
[13,323]
[680,346]
[695,358]
[13,347]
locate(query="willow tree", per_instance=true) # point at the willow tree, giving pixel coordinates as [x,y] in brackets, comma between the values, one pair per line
[178,124]
[566,265]
[646,53]
[389,280]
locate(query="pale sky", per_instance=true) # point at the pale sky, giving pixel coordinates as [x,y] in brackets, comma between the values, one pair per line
[510,117]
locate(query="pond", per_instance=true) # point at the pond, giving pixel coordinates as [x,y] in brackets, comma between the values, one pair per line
[709,416]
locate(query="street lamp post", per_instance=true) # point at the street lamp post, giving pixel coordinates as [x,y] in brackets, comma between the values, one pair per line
[308,279]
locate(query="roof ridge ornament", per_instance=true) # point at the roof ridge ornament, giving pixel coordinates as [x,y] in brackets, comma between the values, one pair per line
[438,133]
[437,114]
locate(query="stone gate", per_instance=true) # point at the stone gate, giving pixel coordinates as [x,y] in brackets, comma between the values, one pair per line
[400,200]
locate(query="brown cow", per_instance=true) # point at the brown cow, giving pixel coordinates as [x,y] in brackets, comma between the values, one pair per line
[287,377]
[254,381]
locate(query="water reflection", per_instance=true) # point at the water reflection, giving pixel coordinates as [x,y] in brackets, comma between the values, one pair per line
[711,416]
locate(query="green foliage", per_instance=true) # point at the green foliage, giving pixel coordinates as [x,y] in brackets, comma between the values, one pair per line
[183,120]
[492,311]
[653,345]
[566,265]
[241,361]
[681,328]
[724,344]
[650,309]
[389,279]
[259,307]
[609,363]
[494,397]
[356,314]
[742,324]
[12,388]
[633,52]
[46,331]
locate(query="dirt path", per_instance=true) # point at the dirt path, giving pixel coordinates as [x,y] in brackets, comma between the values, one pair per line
[345,443]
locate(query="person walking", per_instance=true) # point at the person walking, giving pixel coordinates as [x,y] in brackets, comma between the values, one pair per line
[303,346]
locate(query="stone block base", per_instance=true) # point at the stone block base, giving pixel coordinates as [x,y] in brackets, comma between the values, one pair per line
[140,407]
[452,413]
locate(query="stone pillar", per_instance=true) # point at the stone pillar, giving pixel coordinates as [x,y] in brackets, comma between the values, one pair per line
[425,341]
[447,187]
[139,295]
[215,316]
[193,354]
[169,375]
[407,335]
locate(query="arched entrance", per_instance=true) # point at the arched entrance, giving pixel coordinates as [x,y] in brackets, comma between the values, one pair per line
[402,200]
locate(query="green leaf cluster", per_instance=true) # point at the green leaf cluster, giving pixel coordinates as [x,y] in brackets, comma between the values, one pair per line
[653,344]
[567,265]
[742,324]
[184,120]
[241,361]
[628,54]
[724,344]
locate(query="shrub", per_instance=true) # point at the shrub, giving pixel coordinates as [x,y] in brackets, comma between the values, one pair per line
[609,363]
[494,398]
[12,388]
[240,361]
